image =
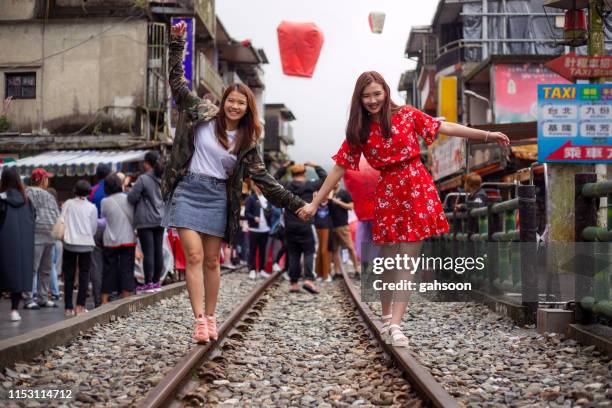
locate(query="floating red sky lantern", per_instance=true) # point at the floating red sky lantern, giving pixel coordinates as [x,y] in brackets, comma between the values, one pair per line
[376,19]
[300,45]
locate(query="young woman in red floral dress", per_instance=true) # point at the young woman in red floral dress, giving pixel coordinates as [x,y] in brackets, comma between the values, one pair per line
[407,207]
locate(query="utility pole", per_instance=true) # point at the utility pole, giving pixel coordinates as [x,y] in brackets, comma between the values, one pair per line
[596,45]
[596,48]
[560,188]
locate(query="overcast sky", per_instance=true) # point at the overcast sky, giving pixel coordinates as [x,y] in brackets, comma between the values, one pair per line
[321,103]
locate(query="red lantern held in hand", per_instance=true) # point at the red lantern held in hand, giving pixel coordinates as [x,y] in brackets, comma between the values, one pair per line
[362,186]
[300,45]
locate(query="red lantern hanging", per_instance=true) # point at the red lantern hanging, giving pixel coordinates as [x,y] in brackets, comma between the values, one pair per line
[575,28]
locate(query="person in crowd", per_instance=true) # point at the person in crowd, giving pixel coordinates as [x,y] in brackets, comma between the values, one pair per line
[299,234]
[80,225]
[47,213]
[241,240]
[323,225]
[339,205]
[408,207]
[119,240]
[277,233]
[17,225]
[258,215]
[214,149]
[56,259]
[477,197]
[97,191]
[97,264]
[145,196]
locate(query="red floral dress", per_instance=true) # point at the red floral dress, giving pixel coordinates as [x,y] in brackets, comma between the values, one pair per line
[407,206]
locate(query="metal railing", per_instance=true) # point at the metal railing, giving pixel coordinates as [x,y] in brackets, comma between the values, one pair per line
[593,281]
[491,231]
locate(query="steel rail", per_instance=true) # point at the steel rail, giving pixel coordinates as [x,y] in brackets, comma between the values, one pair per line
[425,384]
[164,393]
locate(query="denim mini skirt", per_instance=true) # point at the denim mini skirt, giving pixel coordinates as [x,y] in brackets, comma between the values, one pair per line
[199,203]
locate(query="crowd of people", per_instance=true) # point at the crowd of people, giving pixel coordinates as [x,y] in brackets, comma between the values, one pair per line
[306,248]
[89,240]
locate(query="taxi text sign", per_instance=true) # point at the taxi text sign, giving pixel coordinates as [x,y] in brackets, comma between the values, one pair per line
[575,123]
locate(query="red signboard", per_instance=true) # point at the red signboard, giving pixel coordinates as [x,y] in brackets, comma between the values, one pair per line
[516,90]
[572,66]
[569,152]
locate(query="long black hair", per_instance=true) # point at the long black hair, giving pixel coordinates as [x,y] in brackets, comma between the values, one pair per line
[153,159]
[11,180]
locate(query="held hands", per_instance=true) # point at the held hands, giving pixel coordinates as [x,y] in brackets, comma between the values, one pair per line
[307,212]
[178,29]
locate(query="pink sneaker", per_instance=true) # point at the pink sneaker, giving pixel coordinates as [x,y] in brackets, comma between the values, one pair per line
[200,331]
[212,327]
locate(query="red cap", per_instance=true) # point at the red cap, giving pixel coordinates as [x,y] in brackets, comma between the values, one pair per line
[39,174]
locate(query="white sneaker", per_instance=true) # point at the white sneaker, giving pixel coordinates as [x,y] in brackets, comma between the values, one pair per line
[252,274]
[286,276]
[319,279]
[15,317]
[276,267]
[329,279]
[264,274]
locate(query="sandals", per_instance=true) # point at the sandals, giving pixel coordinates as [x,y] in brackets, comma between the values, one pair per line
[200,331]
[384,330]
[310,289]
[212,327]
[396,337]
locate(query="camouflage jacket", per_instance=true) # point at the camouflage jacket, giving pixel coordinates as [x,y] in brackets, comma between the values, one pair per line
[193,111]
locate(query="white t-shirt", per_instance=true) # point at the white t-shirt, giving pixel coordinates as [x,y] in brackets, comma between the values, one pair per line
[263,223]
[210,157]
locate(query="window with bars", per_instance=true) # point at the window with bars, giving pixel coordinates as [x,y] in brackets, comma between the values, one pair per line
[156,66]
[20,85]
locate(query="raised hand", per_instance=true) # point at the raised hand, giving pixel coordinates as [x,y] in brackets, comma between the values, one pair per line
[178,29]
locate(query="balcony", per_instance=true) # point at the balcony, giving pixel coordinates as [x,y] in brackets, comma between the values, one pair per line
[286,134]
[205,9]
[208,76]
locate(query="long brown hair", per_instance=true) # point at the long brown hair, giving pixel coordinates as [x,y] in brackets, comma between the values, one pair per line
[358,126]
[249,127]
[11,179]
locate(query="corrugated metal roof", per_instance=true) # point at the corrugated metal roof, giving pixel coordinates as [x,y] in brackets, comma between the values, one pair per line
[77,162]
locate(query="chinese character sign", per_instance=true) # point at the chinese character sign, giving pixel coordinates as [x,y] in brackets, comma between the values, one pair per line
[188,57]
[575,123]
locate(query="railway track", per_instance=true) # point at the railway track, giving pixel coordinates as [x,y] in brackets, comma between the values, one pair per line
[281,349]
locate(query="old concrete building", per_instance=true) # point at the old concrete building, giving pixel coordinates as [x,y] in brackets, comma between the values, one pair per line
[98,68]
[279,134]
[91,75]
